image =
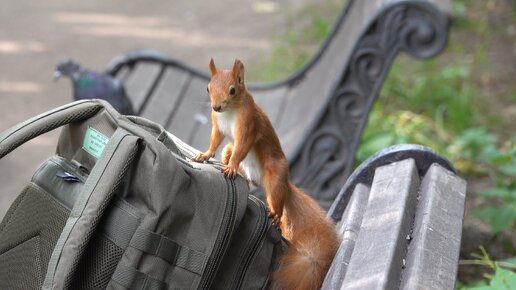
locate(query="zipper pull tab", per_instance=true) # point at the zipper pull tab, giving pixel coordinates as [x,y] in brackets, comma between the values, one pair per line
[68,176]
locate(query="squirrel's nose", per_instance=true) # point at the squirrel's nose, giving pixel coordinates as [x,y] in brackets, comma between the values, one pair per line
[217,108]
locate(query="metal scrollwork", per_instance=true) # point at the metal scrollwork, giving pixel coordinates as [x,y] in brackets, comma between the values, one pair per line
[327,158]
[367,66]
[322,152]
[347,106]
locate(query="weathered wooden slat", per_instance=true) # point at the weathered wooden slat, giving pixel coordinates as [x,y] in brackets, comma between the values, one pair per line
[123,73]
[140,82]
[310,97]
[163,102]
[271,101]
[381,246]
[200,137]
[348,228]
[433,253]
[183,123]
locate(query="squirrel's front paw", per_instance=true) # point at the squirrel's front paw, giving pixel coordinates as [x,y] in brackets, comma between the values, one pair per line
[201,157]
[230,171]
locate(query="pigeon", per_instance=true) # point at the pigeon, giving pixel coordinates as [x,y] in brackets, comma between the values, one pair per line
[88,84]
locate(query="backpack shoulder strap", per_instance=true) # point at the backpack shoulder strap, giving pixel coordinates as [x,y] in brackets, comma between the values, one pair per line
[99,188]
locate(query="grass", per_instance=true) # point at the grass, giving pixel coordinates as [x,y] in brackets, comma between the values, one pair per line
[500,277]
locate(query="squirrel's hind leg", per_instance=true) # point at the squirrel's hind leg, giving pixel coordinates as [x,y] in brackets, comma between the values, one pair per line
[276,187]
[226,153]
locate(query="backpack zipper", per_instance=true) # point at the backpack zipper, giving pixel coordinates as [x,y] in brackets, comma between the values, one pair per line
[189,154]
[248,257]
[223,239]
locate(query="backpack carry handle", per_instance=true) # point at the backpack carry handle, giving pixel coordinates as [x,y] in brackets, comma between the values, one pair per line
[15,136]
[158,132]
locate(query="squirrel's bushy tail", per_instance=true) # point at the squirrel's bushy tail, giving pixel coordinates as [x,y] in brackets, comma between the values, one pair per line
[314,242]
[301,270]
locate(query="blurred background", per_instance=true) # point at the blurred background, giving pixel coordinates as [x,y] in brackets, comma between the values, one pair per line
[461,103]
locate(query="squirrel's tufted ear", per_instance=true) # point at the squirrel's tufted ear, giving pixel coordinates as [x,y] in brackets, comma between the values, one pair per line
[213,69]
[238,71]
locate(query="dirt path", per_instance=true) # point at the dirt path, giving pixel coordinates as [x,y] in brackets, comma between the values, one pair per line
[34,35]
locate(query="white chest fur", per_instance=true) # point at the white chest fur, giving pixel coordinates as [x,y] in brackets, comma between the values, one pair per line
[251,167]
[226,122]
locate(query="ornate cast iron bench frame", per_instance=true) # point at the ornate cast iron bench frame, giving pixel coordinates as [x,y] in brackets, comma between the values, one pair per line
[333,93]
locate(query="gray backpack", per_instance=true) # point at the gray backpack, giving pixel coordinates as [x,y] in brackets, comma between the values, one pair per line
[121,206]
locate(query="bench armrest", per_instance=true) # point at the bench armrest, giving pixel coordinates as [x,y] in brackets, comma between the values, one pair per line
[401,223]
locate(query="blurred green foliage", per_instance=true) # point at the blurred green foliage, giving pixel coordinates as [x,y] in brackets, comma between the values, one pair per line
[443,105]
[504,278]
[305,30]
[447,103]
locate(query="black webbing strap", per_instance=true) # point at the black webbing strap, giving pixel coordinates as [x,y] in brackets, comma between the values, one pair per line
[165,248]
[131,278]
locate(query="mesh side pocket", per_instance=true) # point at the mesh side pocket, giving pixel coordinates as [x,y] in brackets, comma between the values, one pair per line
[28,235]
[97,265]
[21,266]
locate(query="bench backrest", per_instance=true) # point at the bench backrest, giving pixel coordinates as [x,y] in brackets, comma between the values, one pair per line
[319,112]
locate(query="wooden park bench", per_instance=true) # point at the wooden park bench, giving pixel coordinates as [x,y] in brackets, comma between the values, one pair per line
[401,215]
[401,212]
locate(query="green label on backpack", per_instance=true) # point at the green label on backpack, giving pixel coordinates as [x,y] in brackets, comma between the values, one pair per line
[94,142]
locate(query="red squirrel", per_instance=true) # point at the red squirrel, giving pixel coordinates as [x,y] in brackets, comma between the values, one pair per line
[255,150]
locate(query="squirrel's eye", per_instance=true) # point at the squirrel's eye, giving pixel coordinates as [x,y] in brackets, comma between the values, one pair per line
[232,91]
[208,89]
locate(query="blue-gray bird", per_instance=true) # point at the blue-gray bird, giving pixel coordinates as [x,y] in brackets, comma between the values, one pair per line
[88,84]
